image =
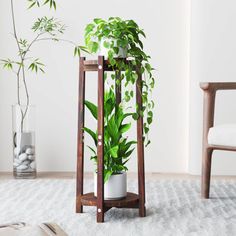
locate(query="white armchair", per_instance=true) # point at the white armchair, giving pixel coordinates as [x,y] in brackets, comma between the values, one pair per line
[222,137]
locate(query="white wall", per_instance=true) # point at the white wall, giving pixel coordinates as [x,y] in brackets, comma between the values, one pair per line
[213,50]
[166,23]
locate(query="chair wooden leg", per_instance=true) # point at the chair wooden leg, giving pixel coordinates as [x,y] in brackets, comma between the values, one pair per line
[206,172]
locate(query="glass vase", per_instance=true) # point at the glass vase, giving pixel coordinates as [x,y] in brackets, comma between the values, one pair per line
[23,125]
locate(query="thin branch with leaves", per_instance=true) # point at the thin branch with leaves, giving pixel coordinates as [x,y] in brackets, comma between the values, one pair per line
[46,29]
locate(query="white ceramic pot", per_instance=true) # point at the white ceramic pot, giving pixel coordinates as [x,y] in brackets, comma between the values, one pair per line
[103,51]
[115,187]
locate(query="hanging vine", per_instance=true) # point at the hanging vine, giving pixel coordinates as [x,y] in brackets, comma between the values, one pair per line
[116,34]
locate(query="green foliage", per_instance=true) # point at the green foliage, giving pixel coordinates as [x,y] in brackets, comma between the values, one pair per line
[48,25]
[33,3]
[117,149]
[92,134]
[92,108]
[7,63]
[36,65]
[52,3]
[38,3]
[45,28]
[78,49]
[115,34]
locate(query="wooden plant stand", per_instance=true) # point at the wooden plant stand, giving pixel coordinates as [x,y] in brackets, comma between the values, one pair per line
[132,200]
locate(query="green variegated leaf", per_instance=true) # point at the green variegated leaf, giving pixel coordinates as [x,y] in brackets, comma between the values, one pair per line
[113,151]
[92,108]
[92,134]
[93,151]
[124,128]
[107,175]
[127,154]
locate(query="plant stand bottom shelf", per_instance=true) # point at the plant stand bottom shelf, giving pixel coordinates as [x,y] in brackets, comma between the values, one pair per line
[130,201]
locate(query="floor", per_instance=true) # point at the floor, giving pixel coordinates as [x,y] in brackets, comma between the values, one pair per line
[173,202]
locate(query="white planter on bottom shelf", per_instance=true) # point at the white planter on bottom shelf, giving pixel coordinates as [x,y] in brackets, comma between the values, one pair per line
[114,188]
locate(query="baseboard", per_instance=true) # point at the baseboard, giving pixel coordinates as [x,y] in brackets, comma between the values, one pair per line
[132,175]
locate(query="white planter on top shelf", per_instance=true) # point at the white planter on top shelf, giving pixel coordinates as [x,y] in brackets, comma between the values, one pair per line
[103,51]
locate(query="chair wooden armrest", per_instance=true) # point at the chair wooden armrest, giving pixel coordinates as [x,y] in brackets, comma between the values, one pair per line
[210,89]
[214,86]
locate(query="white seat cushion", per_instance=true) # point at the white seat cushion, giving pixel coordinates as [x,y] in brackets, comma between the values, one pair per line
[223,135]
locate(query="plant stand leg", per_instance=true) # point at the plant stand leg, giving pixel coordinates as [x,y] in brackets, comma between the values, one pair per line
[100,146]
[118,88]
[140,149]
[80,141]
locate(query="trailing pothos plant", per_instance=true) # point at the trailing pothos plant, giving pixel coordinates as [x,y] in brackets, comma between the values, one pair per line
[116,33]
[117,148]
[44,28]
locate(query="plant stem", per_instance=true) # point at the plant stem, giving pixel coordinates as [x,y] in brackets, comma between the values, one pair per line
[20,66]
[62,40]
[15,36]
[24,81]
[27,95]
[18,85]
[31,43]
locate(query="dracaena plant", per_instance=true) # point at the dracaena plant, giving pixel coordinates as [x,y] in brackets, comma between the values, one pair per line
[117,147]
[116,33]
[44,28]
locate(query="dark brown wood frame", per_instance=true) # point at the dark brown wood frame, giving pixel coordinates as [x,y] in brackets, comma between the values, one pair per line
[210,90]
[132,200]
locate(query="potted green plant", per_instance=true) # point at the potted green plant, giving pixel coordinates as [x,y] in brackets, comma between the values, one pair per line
[123,38]
[117,148]
[44,28]
[120,42]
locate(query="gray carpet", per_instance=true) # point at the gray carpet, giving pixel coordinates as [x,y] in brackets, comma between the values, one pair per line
[173,208]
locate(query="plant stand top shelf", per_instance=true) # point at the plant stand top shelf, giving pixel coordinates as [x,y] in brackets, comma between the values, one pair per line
[92,65]
[132,200]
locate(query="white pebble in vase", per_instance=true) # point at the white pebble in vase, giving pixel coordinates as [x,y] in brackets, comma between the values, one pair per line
[29,151]
[22,167]
[26,162]
[31,157]
[23,157]
[15,164]
[33,165]
[16,151]
[16,160]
